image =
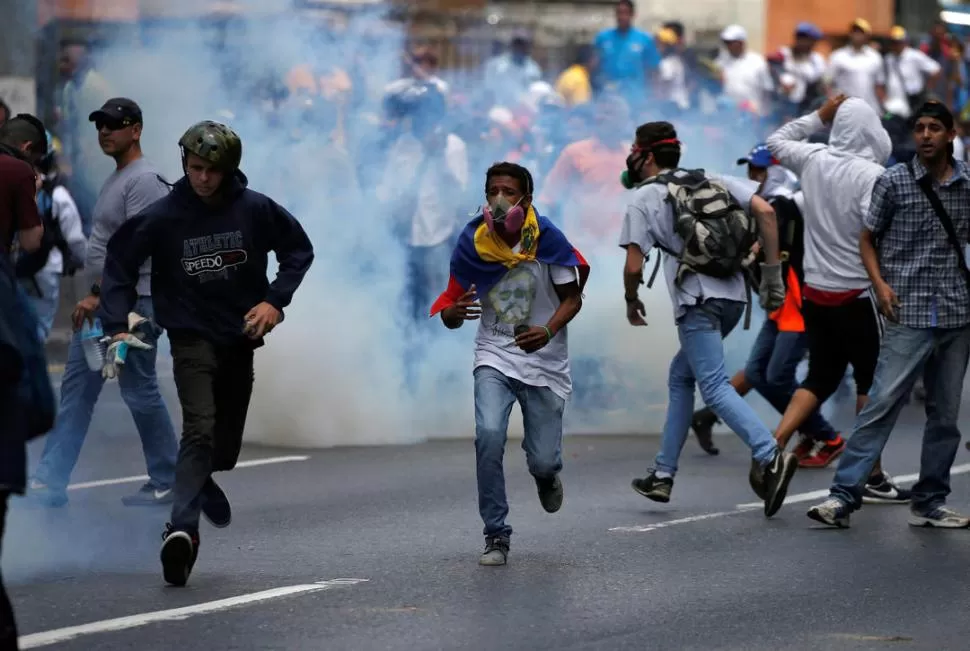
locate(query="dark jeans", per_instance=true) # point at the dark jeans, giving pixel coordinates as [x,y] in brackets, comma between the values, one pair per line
[8,627]
[214,385]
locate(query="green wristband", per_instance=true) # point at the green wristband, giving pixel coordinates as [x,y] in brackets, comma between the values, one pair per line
[548,333]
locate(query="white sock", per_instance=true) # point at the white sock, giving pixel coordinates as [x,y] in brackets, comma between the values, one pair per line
[662,474]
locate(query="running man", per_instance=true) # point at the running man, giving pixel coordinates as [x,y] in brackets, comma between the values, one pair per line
[531,279]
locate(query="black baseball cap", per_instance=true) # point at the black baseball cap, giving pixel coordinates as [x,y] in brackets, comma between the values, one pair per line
[119,109]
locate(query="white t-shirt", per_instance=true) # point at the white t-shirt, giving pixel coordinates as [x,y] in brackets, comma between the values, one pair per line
[649,221]
[801,72]
[673,78]
[856,73]
[906,75]
[526,295]
[434,219]
[746,78]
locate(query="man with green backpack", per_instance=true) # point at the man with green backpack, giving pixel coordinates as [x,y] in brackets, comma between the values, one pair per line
[709,231]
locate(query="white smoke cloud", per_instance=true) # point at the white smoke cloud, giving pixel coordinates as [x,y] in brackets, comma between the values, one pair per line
[333,373]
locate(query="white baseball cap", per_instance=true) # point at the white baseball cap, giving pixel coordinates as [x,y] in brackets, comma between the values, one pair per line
[734,33]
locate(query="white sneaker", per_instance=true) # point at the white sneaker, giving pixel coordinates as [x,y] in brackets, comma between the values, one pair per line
[941,517]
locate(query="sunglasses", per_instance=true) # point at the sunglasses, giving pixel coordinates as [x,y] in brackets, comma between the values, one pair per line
[112,125]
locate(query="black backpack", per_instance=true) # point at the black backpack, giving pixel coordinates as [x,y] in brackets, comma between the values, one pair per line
[791,241]
[30,264]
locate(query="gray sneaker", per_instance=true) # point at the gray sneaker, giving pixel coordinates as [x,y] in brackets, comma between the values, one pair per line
[940,517]
[831,512]
[550,493]
[149,495]
[496,551]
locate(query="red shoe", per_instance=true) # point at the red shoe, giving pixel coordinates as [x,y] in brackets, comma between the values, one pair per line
[804,448]
[823,453]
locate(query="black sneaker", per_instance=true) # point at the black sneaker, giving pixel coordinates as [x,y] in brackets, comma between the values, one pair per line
[756,477]
[215,505]
[149,495]
[550,493]
[496,551]
[653,487]
[778,474]
[885,491]
[702,424]
[179,551]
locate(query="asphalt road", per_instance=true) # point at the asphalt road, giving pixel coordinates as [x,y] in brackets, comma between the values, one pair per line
[697,574]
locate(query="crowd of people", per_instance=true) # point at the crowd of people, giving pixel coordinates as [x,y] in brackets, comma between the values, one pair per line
[849,224]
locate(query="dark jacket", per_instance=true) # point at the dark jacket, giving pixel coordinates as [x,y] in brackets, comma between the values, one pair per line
[208,262]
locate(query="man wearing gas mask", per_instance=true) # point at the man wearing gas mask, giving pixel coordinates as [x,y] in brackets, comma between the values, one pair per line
[530,280]
[209,241]
[702,226]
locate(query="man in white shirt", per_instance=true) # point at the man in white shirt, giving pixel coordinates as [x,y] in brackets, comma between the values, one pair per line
[908,73]
[706,309]
[68,244]
[530,280]
[744,74]
[856,70]
[802,67]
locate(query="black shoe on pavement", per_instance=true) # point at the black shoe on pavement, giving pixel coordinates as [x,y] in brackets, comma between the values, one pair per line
[215,505]
[778,474]
[149,495]
[550,493]
[702,424]
[179,551]
[496,551]
[654,488]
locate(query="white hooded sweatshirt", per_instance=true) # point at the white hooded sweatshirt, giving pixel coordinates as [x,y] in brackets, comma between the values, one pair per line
[837,181]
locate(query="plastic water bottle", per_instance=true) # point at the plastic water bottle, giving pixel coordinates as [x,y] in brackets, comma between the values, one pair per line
[91,336]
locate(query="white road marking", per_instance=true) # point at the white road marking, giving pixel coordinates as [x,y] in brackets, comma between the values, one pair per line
[131,480]
[744,508]
[817,495]
[46,638]
[669,523]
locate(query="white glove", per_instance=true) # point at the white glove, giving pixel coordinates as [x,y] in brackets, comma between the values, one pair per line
[772,289]
[117,352]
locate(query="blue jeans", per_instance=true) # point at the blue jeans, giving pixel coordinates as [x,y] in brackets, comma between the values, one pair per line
[771,372]
[542,413]
[80,388]
[44,290]
[941,356]
[700,360]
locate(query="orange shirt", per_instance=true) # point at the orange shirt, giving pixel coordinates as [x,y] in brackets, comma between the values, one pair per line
[789,315]
[585,182]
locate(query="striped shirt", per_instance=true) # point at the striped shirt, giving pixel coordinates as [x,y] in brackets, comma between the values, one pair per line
[915,257]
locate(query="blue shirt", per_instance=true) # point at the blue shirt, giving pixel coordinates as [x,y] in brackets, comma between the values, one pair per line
[625,57]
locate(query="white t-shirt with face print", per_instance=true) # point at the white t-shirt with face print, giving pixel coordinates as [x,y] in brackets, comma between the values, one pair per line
[525,295]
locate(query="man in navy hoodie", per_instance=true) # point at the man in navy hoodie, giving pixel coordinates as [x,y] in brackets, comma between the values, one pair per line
[208,241]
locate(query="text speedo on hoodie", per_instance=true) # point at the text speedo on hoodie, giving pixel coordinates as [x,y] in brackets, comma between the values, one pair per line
[208,262]
[837,181]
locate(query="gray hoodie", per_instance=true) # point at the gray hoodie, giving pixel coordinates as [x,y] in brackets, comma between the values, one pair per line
[837,181]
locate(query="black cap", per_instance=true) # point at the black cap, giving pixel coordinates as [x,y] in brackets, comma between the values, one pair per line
[121,109]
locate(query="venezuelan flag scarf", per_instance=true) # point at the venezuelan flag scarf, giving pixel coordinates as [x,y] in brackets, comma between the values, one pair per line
[482,258]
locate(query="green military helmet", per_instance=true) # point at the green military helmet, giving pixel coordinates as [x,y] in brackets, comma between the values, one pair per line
[215,143]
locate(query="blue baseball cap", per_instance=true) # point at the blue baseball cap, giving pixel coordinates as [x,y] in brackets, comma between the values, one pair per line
[810,30]
[759,157]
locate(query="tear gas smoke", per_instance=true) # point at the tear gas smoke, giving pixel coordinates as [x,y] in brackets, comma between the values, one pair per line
[334,372]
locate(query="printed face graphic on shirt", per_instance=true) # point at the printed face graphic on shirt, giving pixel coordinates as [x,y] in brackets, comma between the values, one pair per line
[212,256]
[512,298]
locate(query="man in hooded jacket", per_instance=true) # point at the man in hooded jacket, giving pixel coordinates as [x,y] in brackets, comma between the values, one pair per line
[209,241]
[841,318]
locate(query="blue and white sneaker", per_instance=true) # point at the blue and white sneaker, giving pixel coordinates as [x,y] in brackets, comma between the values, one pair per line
[885,492]
[831,512]
[940,517]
